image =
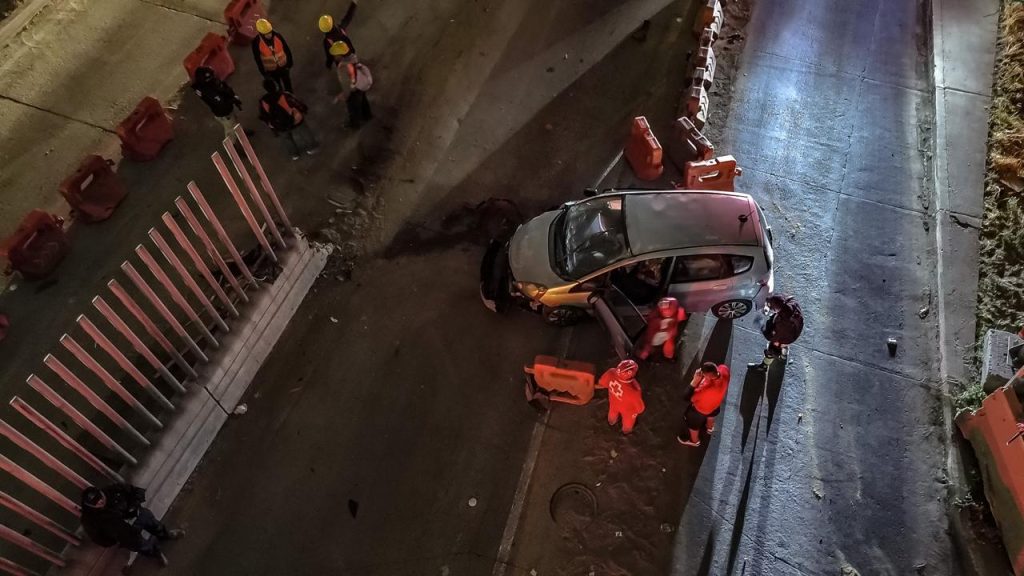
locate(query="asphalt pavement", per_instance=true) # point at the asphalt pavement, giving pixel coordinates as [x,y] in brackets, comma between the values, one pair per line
[387,432]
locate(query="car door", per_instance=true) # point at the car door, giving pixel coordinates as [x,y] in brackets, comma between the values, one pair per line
[620,318]
[700,281]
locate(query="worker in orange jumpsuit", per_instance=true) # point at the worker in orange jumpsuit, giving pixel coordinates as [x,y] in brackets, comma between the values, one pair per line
[662,328]
[272,54]
[624,397]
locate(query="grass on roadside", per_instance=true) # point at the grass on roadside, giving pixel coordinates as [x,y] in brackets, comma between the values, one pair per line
[1001,275]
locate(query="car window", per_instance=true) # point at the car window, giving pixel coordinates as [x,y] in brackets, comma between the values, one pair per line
[593,235]
[701,267]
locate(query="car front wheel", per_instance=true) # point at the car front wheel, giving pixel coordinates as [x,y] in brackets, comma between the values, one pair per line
[563,315]
[732,309]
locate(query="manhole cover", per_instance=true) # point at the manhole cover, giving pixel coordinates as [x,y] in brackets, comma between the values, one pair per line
[573,505]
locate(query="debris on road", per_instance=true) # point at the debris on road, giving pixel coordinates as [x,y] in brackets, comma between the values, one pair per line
[240,410]
[472,502]
[334,320]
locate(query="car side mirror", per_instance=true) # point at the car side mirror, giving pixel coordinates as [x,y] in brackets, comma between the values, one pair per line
[589,192]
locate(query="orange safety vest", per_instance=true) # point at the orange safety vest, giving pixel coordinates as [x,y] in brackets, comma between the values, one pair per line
[273,57]
[282,102]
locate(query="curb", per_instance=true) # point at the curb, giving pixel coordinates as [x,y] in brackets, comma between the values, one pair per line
[977,558]
[20,18]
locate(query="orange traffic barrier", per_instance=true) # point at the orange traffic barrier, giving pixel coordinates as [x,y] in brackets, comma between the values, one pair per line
[715,174]
[560,380]
[703,77]
[36,247]
[241,16]
[709,16]
[94,189]
[643,151]
[992,430]
[706,59]
[212,52]
[697,106]
[688,144]
[145,131]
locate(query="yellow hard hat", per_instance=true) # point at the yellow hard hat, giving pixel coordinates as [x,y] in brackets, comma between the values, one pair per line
[339,49]
[263,26]
[326,23]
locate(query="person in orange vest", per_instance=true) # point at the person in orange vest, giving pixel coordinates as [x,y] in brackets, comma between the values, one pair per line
[624,396]
[286,115]
[355,79]
[336,32]
[710,385]
[662,328]
[272,54]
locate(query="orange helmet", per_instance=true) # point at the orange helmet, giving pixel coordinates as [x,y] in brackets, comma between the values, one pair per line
[626,370]
[668,307]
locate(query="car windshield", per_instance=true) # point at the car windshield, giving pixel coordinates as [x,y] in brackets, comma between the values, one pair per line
[593,235]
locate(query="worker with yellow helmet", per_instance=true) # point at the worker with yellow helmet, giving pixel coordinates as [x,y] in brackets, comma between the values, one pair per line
[272,54]
[334,33]
[356,80]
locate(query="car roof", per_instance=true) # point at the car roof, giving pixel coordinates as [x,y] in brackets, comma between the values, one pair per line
[669,220]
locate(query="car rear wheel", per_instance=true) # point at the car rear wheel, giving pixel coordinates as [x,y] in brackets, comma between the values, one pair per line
[732,309]
[562,315]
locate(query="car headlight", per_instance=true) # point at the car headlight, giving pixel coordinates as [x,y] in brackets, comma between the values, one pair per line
[531,290]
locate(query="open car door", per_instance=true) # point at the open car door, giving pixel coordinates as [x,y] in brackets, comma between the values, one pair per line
[620,318]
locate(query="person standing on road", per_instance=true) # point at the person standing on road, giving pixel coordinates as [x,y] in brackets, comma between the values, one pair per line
[710,385]
[355,79]
[285,115]
[662,328]
[334,33]
[272,54]
[784,325]
[220,97]
[115,516]
[624,396]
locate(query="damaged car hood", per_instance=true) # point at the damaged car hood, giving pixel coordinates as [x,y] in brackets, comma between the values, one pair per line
[529,252]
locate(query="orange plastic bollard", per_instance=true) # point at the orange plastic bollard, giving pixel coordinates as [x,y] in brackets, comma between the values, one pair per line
[212,52]
[643,151]
[145,131]
[36,247]
[560,380]
[241,16]
[94,190]
[715,174]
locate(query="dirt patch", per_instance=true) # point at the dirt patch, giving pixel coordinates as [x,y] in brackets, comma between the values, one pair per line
[1001,275]
[727,49]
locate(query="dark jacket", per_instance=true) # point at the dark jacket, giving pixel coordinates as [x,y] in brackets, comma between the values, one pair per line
[338,34]
[259,59]
[786,321]
[221,99]
[278,110]
[111,525]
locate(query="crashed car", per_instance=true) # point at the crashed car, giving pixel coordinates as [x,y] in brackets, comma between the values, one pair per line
[710,250]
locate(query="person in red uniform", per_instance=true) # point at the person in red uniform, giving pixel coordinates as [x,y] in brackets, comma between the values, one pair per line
[272,54]
[710,385]
[662,328]
[335,32]
[624,397]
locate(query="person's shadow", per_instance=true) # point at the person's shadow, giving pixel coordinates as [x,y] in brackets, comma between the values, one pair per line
[757,385]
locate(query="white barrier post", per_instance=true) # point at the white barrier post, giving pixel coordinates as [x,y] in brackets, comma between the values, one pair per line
[96,368]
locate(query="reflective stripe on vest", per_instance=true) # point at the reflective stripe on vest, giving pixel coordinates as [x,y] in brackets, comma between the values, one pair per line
[272,58]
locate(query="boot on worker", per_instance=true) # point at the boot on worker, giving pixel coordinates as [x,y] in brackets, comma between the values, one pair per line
[624,397]
[662,329]
[272,54]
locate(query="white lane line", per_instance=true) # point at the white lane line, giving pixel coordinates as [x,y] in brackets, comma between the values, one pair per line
[525,475]
[608,170]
